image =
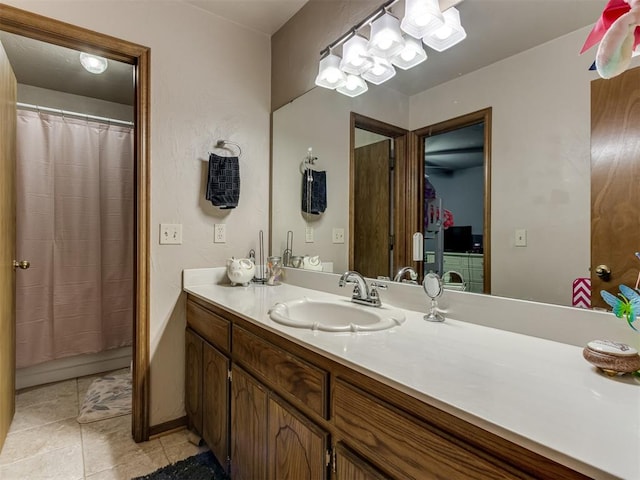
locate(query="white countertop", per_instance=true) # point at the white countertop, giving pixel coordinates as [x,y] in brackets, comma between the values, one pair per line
[537,393]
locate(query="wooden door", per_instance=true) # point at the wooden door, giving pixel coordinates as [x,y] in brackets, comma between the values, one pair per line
[193,380]
[7,244]
[371,210]
[297,447]
[350,466]
[248,427]
[615,180]
[215,402]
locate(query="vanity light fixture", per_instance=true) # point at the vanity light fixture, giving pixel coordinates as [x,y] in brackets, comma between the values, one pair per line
[386,38]
[421,17]
[354,86]
[355,59]
[380,72]
[411,55]
[329,73]
[374,60]
[450,34]
[93,63]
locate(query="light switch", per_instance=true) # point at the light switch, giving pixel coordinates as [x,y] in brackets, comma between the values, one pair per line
[521,237]
[170,234]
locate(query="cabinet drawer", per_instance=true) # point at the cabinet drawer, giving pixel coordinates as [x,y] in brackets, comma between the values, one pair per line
[408,445]
[213,328]
[282,371]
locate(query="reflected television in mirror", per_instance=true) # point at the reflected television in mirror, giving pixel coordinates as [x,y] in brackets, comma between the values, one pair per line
[458,239]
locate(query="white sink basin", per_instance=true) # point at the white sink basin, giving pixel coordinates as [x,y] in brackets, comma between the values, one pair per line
[335,315]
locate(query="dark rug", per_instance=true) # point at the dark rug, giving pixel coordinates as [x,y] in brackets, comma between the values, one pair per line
[203,466]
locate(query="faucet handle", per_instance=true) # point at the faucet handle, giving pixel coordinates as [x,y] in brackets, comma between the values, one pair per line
[376,285]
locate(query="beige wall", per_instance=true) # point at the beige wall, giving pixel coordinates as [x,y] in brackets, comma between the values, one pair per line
[43,97]
[297,45]
[321,119]
[209,80]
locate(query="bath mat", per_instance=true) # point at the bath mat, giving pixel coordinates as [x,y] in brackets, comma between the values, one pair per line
[107,397]
[203,466]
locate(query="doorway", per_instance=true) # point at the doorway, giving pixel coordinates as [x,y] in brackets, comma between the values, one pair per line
[454,178]
[377,197]
[34,26]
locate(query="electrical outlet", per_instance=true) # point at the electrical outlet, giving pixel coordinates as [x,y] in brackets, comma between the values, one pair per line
[338,235]
[308,234]
[220,233]
[521,237]
[170,234]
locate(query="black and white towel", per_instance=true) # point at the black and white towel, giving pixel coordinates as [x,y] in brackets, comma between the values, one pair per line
[223,181]
[314,191]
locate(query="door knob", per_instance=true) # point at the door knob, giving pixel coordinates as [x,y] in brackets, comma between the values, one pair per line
[603,272]
[22,264]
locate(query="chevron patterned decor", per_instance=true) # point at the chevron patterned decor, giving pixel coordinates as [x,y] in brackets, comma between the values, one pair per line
[581,293]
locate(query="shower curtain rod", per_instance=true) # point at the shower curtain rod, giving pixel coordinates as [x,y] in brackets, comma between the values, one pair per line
[73,114]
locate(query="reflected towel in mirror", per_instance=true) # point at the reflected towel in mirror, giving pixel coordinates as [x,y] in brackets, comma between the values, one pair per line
[223,181]
[314,191]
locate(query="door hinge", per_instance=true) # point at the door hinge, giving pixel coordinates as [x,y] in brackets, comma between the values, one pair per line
[330,458]
[392,162]
[229,375]
[392,241]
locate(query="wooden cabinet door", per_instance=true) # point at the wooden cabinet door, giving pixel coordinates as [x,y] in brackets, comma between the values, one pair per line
[215,402]
[248,427]
[350,466]
[297,447]
[193,380]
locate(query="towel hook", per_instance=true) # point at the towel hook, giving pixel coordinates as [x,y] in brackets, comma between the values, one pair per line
[223,145]
[309,161]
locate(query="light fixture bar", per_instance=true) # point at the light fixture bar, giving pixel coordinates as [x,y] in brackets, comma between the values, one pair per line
[373,16]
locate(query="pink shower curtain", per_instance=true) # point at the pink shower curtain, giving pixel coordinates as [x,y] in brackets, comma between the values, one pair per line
[75,224]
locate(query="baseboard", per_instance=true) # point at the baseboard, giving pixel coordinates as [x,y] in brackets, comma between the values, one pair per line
[72,367]
[166,427]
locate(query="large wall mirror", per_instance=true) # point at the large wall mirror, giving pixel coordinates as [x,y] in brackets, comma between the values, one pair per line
[540,150]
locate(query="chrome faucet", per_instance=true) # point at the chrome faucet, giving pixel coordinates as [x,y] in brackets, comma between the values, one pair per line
[361,291]
[413,275]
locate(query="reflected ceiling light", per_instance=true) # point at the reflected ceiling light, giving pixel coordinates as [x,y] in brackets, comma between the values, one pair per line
[329,73]
[93,63]
[354,56]
[386,38]
[450,34]
[380,72]
[411,55]
[353,87]
[421,17]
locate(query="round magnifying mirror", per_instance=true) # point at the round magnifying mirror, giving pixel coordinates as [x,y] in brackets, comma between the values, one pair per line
[432,285]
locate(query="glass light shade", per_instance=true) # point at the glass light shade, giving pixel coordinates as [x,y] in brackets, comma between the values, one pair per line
[386,38]
[355,59]
[353,87]
[329,73]
[93,63]
[411,55]
[421,17]
[380,72]
[450,34]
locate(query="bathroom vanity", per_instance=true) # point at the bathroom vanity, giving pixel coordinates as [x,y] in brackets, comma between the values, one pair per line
[420,400]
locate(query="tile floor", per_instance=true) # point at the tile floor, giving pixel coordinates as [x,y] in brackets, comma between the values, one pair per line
[46,443]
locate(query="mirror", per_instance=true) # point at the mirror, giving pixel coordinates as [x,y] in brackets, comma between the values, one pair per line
[540,157]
